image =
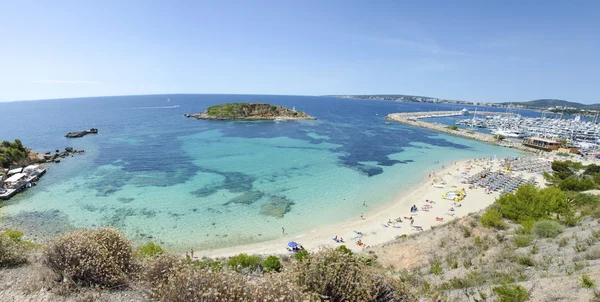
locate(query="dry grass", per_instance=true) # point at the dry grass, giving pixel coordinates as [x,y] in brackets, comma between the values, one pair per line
[337,276]
[171,279]
[92,257]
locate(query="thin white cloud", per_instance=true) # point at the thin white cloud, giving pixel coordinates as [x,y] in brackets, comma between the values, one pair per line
[68,82]
[424,45]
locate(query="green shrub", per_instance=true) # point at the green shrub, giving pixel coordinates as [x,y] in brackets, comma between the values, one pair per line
[526,261]
[244,263]
[213,265]
[150,250]
[13,235]
[511,293]
[492,218]
[301,255]
[522,240]
[92,257]
[563,242]
[344,249]
[341,277]
[272,264]
[452,127]
[436,268]
[530,204]
[472,279]
[12,253]
[586,281]
[576,184]
[547,229]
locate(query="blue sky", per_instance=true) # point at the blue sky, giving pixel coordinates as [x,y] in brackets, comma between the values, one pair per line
[466,50]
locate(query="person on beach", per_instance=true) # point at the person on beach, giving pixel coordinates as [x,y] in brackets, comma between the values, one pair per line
[192,252]
[364,203]
[412,221]
[361,216]
[282,230]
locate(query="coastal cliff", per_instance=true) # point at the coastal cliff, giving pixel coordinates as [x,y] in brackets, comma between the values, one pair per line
[250,111]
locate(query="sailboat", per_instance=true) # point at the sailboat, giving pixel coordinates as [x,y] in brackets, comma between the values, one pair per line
[168,100]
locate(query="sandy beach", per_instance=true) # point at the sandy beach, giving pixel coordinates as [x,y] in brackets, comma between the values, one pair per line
[375,225]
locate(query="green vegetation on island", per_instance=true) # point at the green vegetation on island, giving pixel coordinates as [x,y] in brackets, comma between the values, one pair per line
[250,111]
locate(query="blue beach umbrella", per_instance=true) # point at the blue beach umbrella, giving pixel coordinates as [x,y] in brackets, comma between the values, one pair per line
[292,244]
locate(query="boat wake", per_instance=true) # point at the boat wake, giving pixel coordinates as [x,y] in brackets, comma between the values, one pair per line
[158,107]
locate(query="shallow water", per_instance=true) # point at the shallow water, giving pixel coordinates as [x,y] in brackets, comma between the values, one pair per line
[187,183]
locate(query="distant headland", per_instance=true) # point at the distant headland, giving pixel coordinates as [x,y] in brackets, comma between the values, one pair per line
[250,111]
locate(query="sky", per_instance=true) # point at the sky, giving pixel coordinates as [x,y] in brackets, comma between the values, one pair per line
[481,51]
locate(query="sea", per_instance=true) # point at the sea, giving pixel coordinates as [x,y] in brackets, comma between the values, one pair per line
[185,183]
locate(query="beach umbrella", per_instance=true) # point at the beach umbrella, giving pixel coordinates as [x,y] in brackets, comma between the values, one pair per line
[292,244]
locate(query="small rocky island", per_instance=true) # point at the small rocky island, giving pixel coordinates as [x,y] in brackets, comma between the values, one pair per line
[81,133]
[250,111]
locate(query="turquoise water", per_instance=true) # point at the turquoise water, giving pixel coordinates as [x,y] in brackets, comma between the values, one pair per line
[202,184]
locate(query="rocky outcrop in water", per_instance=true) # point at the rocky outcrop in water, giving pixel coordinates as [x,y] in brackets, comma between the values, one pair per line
[48,157]
[81,133]
[250,111]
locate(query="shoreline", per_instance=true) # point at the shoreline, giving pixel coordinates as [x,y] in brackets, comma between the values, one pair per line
[374,226]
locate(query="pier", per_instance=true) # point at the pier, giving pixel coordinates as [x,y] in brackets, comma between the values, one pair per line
[20,180]
[413,119]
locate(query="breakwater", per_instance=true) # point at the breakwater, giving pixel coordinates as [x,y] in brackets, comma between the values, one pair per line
[414,119]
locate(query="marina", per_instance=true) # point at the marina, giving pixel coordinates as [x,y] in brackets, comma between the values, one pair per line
[416,119]
[571,135]
[574,131]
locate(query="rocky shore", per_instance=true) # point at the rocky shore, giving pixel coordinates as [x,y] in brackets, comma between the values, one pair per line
[411,118]
[250,111]
[48,157]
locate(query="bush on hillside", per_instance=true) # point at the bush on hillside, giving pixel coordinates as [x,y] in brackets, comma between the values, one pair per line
[12,252]
[244,263]
[301,255]
[565,169]
[577,184]
[157,271]
[547,229]
[337,276]
[492,218]
[272,264]
[150,250]
[189,284]
[530,204]
[511,293]
[92,257]
[522,240]
[592,169]
[344,249]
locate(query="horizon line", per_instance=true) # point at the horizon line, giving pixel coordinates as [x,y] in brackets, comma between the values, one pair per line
[267,94]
